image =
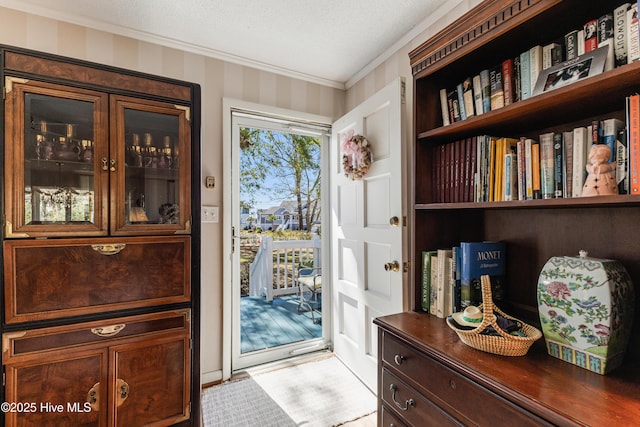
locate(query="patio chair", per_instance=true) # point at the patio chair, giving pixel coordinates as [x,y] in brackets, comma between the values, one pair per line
[309,280]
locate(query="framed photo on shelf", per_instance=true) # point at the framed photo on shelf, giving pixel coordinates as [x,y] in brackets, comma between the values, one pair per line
[587,65]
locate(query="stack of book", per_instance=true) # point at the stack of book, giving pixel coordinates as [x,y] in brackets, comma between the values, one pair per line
[451,276]
[514,79]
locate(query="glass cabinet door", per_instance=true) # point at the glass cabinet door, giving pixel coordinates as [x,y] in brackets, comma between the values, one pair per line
[54,139]
[150,151]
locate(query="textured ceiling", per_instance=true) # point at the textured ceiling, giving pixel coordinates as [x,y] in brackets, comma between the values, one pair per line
[328,41]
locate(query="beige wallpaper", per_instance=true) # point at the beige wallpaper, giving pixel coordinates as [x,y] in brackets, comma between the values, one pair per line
[218,79]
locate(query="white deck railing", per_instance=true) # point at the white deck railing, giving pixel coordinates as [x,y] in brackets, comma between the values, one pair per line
[273,271]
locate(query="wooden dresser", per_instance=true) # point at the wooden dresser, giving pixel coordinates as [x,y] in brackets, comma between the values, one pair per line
[427,377]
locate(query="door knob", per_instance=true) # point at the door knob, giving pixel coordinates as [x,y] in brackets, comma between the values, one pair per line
[394,221]
[392,266]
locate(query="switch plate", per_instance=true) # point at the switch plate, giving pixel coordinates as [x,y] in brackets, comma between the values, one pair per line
[209,214]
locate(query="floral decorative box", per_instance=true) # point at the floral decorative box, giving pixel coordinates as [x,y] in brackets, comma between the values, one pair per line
[586,311]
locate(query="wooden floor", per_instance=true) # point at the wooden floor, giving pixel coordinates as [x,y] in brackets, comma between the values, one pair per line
[270,324]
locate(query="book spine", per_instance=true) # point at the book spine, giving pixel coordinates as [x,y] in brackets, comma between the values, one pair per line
[528,169]
[571,45]
[507,81]
[590,35]
[535,64]
[477,94]
[461,104]
[550,55]
[580,139]
[454,107]
[444,105]
[546,165]
[521,172]
[633,36]
[567,164]
[442,282]
[621,162]
[605,38]
[634,144]
[525,76]
[497,92]
[472,168]
[510,177]
[433,290]
[610,129]
[535,171]
[467,94]
[517,80]
[557,165]
[485,81]
[426,278]
[620,34]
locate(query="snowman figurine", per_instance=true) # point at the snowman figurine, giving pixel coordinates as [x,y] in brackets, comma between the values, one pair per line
[601,180]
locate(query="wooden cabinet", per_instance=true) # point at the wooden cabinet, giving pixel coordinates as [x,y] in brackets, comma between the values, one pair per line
[534,230]
[101,270]
[128,374]
[428,377]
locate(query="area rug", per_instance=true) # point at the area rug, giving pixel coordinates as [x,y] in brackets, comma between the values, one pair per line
[321,393]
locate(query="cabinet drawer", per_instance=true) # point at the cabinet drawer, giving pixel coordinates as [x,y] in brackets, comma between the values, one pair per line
[33,343]
[460,394]
[415,408]
[389,419]
[46,279]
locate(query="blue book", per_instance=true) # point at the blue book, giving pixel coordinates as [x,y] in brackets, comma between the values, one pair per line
[485,83]
[478,259]
[461,106]
[525,76]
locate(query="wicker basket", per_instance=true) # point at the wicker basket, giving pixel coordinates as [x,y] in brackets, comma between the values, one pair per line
[505,344]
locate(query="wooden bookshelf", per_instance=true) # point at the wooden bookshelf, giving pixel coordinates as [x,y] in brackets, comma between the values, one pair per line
[534,230]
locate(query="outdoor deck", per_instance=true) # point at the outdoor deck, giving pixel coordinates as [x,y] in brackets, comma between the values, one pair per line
[269,324]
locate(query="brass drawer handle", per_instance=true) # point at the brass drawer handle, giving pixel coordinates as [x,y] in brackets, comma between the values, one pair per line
[122,391]
[399,359]
[407,404]
[108,331]
[93,397]
[109,249]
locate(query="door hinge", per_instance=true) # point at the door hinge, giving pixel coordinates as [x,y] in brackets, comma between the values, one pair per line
[233,240]
[403,92]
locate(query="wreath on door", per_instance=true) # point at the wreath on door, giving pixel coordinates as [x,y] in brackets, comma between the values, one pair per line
[356,155]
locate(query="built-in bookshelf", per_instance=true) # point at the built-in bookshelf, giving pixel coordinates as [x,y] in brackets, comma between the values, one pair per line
[534,230]
[427,376]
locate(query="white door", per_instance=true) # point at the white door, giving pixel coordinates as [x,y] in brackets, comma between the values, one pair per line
[366,232]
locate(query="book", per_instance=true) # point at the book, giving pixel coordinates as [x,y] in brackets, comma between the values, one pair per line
[492,167]
[590,35]
[567,164]
[455,289]
[477,95]
[477,259]
[634,144]
[504,146]
[443,282]
[535,170]
[552,54]
[622,162]
[461,103]
[633,35]
[433,292]
[525,76]
[580,152]
[485,82]
[620,34]
[444,105]
[510,177]
[571,45]
[497,92]
[581,42]
[517,80]
[535,65]
[507,81]
[558,161]
[610,129]
[425,290]
[528,168]
[547,174]
[521,169]
[454,107]
[467,95]
[605,38]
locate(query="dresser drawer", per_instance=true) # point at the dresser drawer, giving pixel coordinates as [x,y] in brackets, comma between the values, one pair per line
[389,419]
[47,279]
[415,408]
[462,396]
[22,345]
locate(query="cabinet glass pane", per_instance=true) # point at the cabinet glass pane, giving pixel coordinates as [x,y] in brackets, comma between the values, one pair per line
[152,167]
[58,160]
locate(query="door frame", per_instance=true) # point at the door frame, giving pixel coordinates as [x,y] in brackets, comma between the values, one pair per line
[230,105]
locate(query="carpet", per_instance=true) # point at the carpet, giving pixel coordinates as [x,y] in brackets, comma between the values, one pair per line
[319,393]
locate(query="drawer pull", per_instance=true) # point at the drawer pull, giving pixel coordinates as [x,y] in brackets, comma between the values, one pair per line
[122,391]
[452,384]
[111,249]
[93,397]
[108,331]
[399,359]
[407,404]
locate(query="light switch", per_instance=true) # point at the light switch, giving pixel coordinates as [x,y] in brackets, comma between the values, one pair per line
[209,214]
